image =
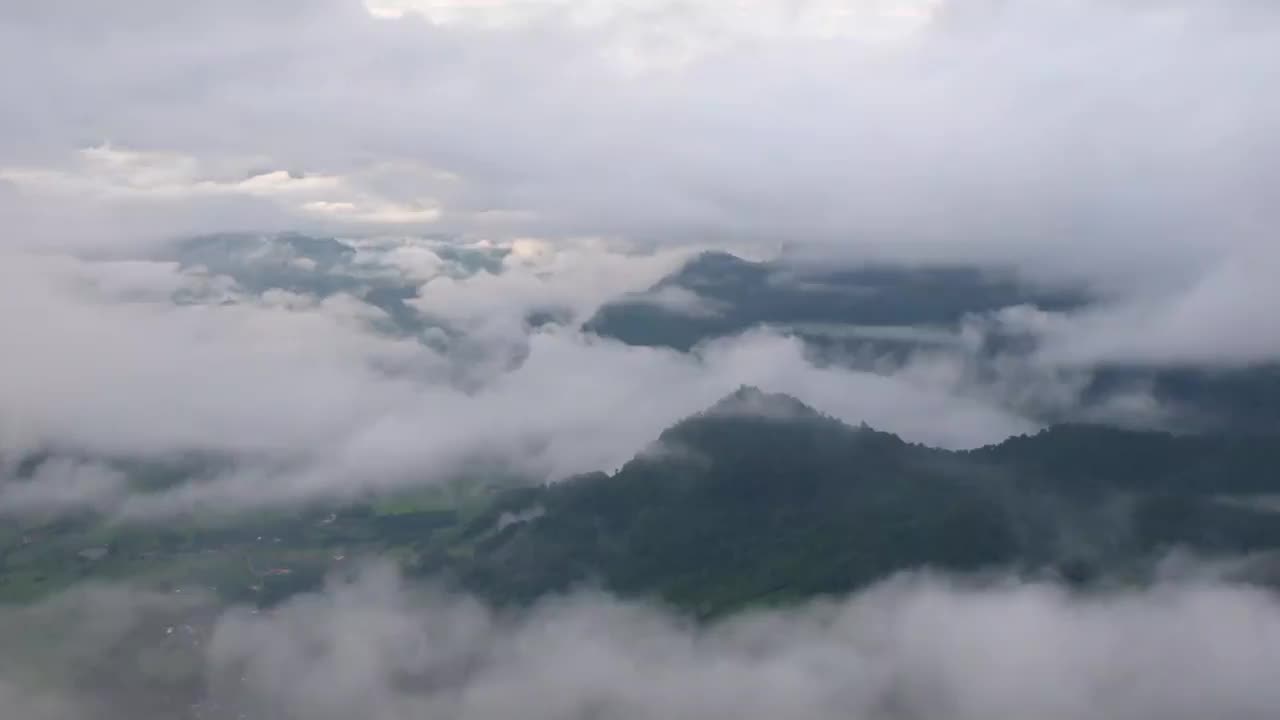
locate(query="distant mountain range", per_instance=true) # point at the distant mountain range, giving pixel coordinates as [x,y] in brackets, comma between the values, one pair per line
[862,316]
[868,317]
[718,294]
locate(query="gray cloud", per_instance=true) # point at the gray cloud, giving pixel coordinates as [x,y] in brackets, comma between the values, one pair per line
[915,646]
[1150,138]
[59,484]
[310,396]
[574,383]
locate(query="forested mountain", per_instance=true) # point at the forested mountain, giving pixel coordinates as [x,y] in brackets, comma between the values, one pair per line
[718,294]
[762,499]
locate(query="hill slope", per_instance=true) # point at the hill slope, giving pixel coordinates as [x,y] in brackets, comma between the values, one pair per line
[762,499]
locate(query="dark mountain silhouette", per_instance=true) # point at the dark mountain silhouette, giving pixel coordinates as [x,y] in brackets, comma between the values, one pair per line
[863,315]
[740,294]
[763,499]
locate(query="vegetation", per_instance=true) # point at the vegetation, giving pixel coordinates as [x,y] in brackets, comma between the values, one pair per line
[731,509]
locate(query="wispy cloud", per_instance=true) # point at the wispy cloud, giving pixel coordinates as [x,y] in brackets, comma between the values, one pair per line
[916,646]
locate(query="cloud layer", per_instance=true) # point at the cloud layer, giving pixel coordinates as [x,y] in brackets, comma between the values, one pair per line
[911,130]
[312,393]
[913,647]
[986,129]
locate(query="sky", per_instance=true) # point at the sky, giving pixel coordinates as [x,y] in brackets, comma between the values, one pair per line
[915,128]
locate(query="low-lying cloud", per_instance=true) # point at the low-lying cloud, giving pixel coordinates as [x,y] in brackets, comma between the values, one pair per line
[917,646]
[311,391]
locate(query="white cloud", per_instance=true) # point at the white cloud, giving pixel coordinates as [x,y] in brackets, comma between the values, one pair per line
[1219,318]
[575,405]
[578,275]
[914,647]
[110,175]
[313,400]
[57,485]
[119,375]
[648,35]
[678,300]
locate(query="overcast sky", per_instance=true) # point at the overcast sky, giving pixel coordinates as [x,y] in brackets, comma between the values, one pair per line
[1095,133]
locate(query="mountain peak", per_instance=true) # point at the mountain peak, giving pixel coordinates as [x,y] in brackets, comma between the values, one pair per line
[750,421]
[715,268]
[751,400]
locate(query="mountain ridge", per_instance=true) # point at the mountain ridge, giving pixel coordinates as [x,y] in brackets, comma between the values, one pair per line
[754,507]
